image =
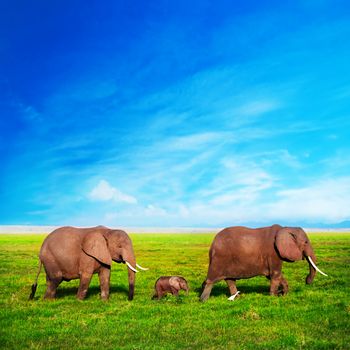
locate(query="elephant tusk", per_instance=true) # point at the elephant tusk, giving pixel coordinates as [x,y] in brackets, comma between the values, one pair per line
[315,267]
[141,268]
[130,266]
[232,297]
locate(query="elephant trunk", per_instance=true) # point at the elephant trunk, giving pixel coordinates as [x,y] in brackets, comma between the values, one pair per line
[311,258]
[309,253]
[130,260]
[184,286]
[186,289]
[131,276]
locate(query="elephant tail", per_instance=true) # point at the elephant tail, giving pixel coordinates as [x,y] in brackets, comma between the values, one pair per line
[36,281]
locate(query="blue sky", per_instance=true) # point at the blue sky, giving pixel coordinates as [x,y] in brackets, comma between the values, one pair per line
[161,113]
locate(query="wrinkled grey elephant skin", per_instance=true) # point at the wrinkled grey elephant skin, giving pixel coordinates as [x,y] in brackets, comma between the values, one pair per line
[241,252]
[169,284]
[77,253]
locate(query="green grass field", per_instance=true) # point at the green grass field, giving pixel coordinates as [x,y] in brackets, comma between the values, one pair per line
[315,316]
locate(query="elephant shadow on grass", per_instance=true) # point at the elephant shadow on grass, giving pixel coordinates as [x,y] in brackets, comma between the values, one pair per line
[93,290]
[222,289]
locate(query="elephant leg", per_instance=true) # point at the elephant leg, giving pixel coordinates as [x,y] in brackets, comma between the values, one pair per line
[85,279]
[274,284]
[208,286]
[104,277]
[160,292]
[284,286]
[53,277]
[231,283]
[174,291]
[278,285]
[160,295]
[51,288]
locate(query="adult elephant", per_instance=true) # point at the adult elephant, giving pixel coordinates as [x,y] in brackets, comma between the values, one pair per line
[241,252]
[70,253]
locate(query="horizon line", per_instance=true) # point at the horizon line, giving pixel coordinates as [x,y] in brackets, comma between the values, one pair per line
[40,229]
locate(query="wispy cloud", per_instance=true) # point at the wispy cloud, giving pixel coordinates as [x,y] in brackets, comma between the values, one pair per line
[193,141]
[258,107]
[103,191]
[325,200]
[328,198]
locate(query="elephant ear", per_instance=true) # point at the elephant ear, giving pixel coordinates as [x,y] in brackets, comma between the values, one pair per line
[95,245]
[174,282]
[287,246]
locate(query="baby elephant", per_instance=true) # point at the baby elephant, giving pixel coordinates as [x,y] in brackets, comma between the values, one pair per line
[172,284]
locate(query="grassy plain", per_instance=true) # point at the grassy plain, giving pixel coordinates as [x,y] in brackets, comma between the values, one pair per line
[313,316]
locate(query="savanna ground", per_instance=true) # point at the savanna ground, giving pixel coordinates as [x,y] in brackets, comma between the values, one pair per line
[310,317]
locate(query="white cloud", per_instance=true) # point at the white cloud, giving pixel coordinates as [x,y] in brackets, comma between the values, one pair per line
[287,158]
[138,215]
[326,200]
[238,180]
[103,191]
[248,173]
[152,210]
